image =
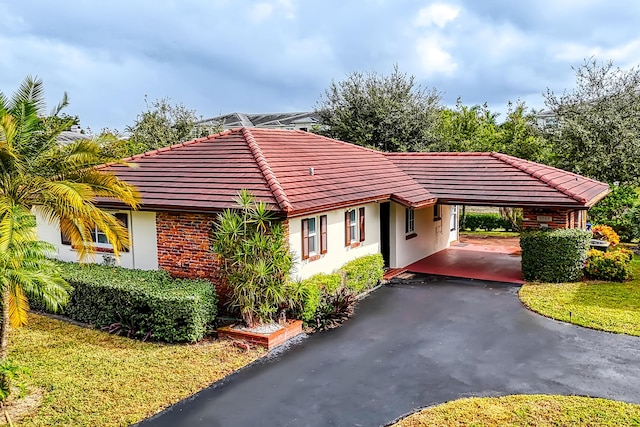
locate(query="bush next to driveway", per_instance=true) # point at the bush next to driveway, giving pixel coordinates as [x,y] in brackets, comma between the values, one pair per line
[554,256]
[363,273]
[140,303]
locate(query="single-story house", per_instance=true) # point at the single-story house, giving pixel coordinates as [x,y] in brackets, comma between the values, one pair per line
[339,201]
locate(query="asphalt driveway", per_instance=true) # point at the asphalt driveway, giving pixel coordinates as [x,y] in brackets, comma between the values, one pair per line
[416,344]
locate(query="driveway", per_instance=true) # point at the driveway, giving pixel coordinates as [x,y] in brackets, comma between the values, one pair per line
[415,344]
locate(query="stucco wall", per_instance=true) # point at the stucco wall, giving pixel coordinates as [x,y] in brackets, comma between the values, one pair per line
[143,254]
[337,253]
[431,236]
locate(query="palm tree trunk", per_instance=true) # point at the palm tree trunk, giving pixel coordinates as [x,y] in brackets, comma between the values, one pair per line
[4,332]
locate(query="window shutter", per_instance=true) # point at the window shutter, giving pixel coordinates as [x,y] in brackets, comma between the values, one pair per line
[347,229]
[323,234]
[124,220]
[64,239]
[362,224]
[305,239]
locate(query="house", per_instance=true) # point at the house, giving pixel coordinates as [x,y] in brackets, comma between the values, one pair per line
[338,201]
[304,120]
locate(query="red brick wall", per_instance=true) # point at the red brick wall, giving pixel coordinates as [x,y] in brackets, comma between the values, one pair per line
[184,246]
[558,218]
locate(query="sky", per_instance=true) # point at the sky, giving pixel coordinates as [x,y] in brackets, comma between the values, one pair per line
[266,56]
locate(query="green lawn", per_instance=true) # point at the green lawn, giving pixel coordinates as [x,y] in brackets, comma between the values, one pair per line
[527,410]
[95,379]
[613,307]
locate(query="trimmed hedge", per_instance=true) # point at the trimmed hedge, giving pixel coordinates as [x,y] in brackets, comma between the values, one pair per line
[612,265]
[484,221]
[554,256]
[140,303]
[363,273]
[323,291]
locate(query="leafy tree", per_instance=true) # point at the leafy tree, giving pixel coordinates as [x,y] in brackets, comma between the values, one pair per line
[164,124]
[520,137]
[598,123]
[387,113]
[58,182]
[255,258]
[619,210]
[466,129]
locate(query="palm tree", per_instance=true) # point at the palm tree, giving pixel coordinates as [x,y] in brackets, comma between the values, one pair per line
[61,183]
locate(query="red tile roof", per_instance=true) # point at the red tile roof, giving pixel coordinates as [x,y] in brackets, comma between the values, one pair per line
[494,179]
[294,172]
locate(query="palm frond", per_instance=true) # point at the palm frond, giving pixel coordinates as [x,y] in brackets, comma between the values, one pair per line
[64,102]
[31,91]
[18,307]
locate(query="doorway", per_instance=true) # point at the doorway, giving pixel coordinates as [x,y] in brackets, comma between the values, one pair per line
[385,244]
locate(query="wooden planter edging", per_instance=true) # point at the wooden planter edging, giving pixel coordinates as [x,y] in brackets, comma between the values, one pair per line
[274,339]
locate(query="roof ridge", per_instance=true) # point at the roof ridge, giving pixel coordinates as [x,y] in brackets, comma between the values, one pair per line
[523,165]
[267,172]
[438,153]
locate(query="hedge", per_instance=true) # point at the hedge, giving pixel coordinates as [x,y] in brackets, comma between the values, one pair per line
[363,273]
[554,256]
[484,221]
[140,303]
[353,278]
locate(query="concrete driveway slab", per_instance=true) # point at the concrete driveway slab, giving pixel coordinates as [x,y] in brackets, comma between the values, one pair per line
[410,345]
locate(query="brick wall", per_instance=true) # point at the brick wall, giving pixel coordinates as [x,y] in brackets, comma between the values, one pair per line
[551,218]
[184,246]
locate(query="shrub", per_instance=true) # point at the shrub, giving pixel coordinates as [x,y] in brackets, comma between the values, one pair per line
[363,273]
[606,233]
[334,309]
[315,288]
[485,221]
[255,257]
[555,255]
[620,211]
[140,303]
[613,265]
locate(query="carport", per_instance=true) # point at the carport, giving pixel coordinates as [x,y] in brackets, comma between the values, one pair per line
[550,198]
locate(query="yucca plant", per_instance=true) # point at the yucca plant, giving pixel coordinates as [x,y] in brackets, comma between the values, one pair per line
[254,255]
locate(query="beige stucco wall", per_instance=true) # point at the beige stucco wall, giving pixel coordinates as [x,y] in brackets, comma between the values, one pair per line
[432,236]
[337,254]
[143,254]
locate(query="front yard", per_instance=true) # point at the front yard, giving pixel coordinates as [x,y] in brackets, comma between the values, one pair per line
[93,378]
[612,307]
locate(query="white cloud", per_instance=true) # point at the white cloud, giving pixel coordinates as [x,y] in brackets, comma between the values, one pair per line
[621,55]
[261,12]
[434,58]
[436,14]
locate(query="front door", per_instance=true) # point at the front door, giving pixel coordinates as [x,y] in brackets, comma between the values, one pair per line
[385,244]
[453,223]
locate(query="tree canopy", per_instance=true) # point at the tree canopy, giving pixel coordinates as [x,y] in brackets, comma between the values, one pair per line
[384,112]
[161,125]
[598,123]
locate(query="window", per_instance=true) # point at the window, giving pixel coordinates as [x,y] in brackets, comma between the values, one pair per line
[353,233]
[437,212]
[409,221]
[312,243]
[453,226]
[100,238]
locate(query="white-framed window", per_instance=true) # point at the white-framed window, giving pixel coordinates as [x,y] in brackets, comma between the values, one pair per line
[409,221]
[437,212]
[454,218]
[98,237]
[314,238]
[354,226]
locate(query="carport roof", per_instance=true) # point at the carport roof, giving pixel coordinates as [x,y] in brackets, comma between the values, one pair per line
[494,179]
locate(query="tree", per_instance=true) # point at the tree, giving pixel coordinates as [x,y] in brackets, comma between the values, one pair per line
[387,113]
[598,123]
[164,124]
[58,182]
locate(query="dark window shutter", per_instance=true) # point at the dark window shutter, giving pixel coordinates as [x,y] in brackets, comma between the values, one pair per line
[323,234]
[65,240]
[305,239]
[124,220]
[347,229]
[362,224]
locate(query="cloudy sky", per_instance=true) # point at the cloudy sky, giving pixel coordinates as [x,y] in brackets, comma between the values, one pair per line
[219,56]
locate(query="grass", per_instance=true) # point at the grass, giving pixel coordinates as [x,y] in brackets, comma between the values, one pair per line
[527,410]
[612,307]
[95,379]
